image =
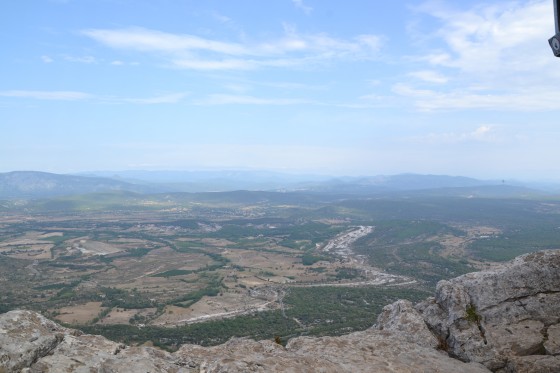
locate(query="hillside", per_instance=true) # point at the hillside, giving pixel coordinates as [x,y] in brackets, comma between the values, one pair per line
[34,184]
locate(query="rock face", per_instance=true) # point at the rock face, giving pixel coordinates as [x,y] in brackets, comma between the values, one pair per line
[507,318]
[504,320]
[31,343]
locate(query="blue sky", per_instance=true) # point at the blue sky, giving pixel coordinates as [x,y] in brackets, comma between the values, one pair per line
[360,87]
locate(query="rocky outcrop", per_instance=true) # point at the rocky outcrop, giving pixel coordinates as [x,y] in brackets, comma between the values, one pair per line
[368,351]
[507,318]
[504,320]
[31,343]
[402,318]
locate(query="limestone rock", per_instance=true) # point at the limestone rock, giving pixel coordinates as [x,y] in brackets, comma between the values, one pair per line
[88,352]
[518,339]
[402,317]
[552,345]
[31,343]
[533,364]
[492,316]
[25,337]
[379,351]
[245,355]
[368,351]
[67,351]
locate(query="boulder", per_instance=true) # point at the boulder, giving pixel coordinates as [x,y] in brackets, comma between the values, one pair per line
[367,351]
[533,364]
[25,337]
[401,317]
[31,343]
[495,315]
[552,344]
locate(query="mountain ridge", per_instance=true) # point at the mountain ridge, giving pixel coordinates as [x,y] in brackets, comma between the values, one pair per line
[37,184]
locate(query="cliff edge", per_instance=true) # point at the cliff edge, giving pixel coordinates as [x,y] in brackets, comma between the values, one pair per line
[503,320]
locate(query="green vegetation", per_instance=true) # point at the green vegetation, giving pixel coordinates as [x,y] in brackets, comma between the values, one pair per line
[212,289]
[114,297]
[213,243]
[339,310]
[408,248]
[472,315]
[515,241]
[172,272]
[308,259]
[54,286]
[347,273]
[321,311]
[262,325]
[138,252]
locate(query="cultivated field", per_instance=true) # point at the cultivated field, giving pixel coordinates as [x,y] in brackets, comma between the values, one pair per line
[252,266]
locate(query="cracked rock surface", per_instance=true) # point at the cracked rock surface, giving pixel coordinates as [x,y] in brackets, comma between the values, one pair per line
[503,316]
[31,343]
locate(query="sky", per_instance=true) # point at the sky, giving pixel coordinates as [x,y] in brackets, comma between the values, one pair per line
[354,87]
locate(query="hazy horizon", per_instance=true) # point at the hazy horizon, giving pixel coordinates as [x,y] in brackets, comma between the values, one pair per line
[296,176]
[292,86]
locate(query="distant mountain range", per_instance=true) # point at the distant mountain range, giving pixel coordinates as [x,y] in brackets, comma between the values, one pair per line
[34,184]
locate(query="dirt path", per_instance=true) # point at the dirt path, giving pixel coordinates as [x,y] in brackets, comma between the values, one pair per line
[229,314]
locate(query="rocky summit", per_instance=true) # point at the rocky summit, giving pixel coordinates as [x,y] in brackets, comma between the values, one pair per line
[502,320]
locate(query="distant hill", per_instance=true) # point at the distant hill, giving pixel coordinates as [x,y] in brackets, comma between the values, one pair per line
[34,184]
[393,183]
[213,181]
[478,191]
[230,180]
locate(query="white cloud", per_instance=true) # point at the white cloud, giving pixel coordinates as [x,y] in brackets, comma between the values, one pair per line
[47,95]
[300,5]
[431,100]
[374,101]
[83,59]
[172,98]
[157,41]
[494,57]
[192,52]
[221,18]
[429,76]
[229,64]
[46,59]
[293,86]
[507,36]
[238,88]
[373,42]
[225,99]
